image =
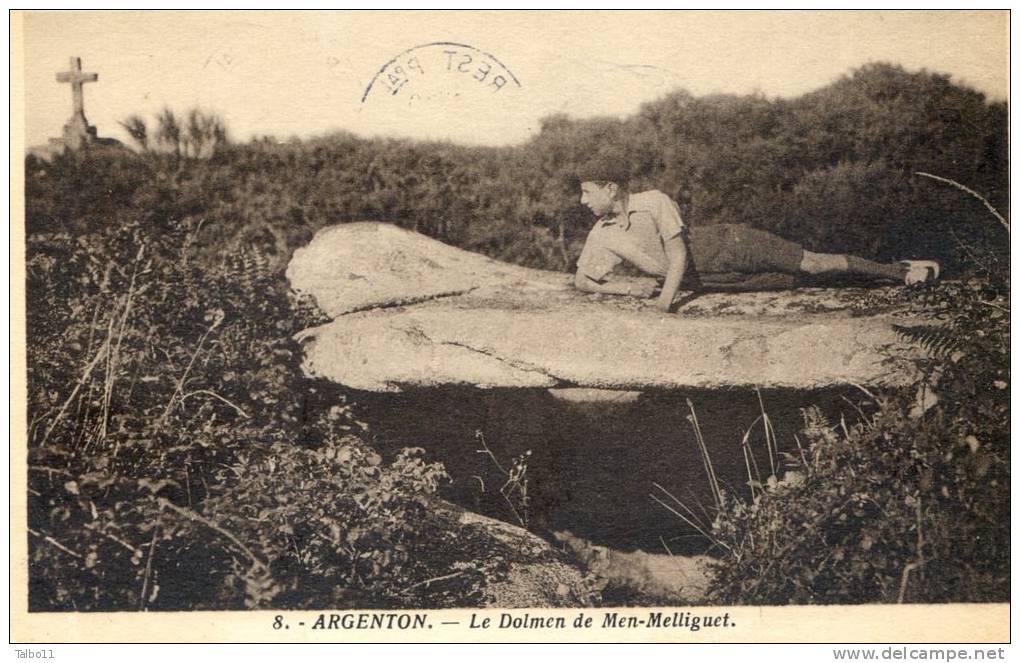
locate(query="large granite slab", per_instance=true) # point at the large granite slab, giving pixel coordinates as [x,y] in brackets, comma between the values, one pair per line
[409,311]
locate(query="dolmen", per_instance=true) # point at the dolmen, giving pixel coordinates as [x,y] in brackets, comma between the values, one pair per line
[408,311]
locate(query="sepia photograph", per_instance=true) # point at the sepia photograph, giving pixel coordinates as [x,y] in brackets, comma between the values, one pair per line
[417,324]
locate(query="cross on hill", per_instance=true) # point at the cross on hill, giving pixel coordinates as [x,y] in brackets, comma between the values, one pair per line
[77,79]
[77,131]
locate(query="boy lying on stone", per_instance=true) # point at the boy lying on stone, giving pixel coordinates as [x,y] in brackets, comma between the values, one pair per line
[645,230]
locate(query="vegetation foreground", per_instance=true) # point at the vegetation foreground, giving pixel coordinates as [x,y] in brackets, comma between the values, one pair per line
[178,459]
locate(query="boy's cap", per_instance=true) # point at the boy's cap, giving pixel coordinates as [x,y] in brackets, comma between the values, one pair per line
[604,170]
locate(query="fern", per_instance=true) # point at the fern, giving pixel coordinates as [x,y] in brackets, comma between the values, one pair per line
[938,340]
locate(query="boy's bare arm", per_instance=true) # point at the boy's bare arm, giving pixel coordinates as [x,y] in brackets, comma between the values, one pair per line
[676,252]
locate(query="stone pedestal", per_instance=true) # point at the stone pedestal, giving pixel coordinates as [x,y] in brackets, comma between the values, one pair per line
[78,133]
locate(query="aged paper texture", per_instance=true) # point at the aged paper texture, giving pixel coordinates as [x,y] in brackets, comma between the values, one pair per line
[437,326]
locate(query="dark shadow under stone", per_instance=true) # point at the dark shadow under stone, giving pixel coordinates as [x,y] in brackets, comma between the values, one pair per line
[594,464]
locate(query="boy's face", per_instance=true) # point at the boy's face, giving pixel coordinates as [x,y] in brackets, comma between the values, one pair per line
[598,197]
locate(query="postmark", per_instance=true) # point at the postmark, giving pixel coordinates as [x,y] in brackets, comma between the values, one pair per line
[437,70]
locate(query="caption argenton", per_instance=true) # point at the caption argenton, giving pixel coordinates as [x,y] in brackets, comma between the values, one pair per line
[691,621]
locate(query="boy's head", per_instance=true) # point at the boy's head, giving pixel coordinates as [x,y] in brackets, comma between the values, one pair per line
[602,182]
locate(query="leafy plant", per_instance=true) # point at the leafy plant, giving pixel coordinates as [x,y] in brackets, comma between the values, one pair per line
[911,504]
[938,341]
[178,458]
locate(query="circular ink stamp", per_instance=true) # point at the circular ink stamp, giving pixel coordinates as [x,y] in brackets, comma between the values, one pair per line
[438,70]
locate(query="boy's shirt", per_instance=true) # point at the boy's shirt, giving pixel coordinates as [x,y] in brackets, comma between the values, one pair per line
[651,217]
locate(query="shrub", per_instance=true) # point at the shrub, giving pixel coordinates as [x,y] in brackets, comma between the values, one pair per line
[905,506]
[832,169]
[177,456]
[335,521]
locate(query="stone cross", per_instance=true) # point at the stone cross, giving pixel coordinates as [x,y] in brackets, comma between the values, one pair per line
[77,79]
[77,131]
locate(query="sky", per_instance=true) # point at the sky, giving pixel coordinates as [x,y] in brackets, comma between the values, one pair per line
[470,77]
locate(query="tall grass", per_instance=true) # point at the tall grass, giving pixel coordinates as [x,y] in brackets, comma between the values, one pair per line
[685,512]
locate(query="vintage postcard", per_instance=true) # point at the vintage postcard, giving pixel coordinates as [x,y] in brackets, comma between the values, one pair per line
[516,326]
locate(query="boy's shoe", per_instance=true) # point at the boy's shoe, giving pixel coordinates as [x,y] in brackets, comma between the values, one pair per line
[920,272]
